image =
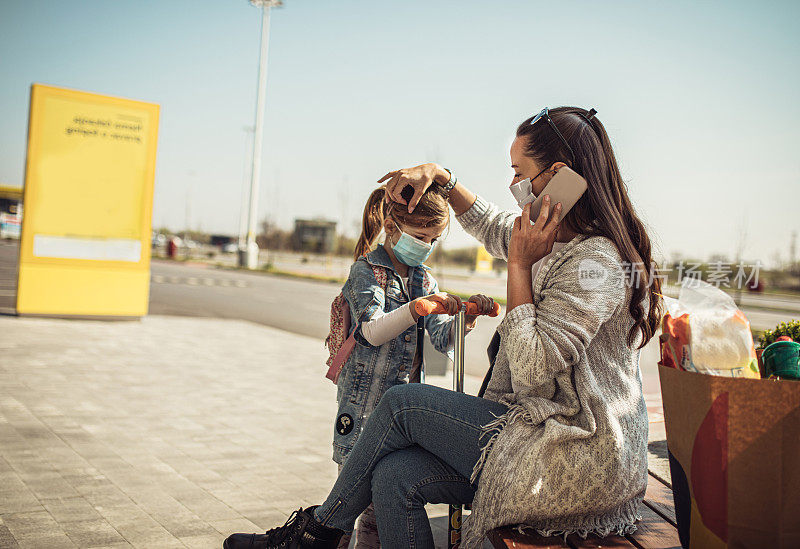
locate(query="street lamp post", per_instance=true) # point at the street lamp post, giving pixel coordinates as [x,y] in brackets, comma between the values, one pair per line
[244,206]
[249,256]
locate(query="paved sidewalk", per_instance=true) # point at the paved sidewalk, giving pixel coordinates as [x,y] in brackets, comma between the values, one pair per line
[165,432]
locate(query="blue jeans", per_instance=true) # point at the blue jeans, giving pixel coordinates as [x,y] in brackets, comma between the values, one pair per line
[418,446]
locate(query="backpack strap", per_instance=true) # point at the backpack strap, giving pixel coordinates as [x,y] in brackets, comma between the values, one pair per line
[381,276]
[380,273]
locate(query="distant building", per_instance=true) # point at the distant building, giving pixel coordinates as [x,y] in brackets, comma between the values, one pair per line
[221,240]
[10,211]
[314,235]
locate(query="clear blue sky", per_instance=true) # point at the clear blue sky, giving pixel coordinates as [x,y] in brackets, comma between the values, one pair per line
[700,100]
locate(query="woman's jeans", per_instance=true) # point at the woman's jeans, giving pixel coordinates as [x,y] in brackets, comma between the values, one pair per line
[418,446]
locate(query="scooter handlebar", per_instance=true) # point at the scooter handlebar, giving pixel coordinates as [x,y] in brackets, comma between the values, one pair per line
[425,307]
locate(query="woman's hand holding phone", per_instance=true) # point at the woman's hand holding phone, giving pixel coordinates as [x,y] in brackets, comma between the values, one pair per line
[529,243]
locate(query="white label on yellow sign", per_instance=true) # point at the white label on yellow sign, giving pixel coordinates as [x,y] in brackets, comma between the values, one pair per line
[101,249]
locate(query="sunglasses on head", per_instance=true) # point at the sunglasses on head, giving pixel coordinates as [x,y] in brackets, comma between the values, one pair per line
[545,113]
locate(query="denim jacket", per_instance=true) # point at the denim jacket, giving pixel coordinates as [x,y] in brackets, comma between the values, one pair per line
[370,371]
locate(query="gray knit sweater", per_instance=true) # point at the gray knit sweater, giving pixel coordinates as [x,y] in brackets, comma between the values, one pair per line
[570,455]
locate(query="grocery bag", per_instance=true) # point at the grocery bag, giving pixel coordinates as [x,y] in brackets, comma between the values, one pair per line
[734,454]
[704,331]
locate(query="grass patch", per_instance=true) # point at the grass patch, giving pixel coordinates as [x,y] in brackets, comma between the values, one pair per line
[269,269]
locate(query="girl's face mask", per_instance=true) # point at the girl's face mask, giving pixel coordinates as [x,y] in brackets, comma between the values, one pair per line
[409,250]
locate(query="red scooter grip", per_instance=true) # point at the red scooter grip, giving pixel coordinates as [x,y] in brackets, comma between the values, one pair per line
[425,307]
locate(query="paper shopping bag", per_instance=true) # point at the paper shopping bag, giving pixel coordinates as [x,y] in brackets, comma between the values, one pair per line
[734,453]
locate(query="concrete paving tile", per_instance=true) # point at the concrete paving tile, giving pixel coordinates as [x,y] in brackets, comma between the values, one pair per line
[70,509]
[86,483]
[37,476]
[68,462]
[116,514]
[5,467]
[170,543]
[203,542]
[263,486]
[183,490]
[46,540]
[230,526]
[28,465]
[7,540]
[31,523]
[182,527]
[103,494]
[92,533]
[51,487]
[287,503]
[10,481]
[209,508]
[77,469]
[244,504]
[144,532]
[18,501]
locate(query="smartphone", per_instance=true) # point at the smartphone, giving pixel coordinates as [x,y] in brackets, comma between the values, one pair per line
[565,187]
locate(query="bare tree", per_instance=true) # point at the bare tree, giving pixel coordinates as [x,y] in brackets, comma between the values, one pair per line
[741,246]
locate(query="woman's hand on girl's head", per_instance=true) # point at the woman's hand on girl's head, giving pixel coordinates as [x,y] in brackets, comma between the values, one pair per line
[530,243]
[419,178]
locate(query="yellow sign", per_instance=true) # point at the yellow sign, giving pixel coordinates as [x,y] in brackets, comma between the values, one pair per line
[483,261]
[85,247]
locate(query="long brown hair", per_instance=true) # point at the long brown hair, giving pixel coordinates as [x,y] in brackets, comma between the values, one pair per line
[605,209]
[432,209]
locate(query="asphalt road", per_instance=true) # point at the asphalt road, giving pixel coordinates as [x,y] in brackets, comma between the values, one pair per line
[296,305]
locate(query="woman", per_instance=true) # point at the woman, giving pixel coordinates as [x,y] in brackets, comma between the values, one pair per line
[559,441]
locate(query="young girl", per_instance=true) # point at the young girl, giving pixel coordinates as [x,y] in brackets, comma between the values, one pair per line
[381,291]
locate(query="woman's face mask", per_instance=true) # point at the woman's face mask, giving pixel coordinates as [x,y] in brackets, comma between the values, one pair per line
[523,190]
[409,250]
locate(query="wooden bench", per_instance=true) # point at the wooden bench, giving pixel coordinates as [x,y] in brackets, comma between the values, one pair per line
[657,529]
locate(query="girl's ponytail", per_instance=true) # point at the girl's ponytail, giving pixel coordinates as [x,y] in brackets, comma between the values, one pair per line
[372,222]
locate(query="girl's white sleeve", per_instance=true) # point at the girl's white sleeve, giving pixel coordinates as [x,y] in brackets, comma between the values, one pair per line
[383,327]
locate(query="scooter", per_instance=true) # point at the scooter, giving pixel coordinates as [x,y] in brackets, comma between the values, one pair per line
[426,307]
